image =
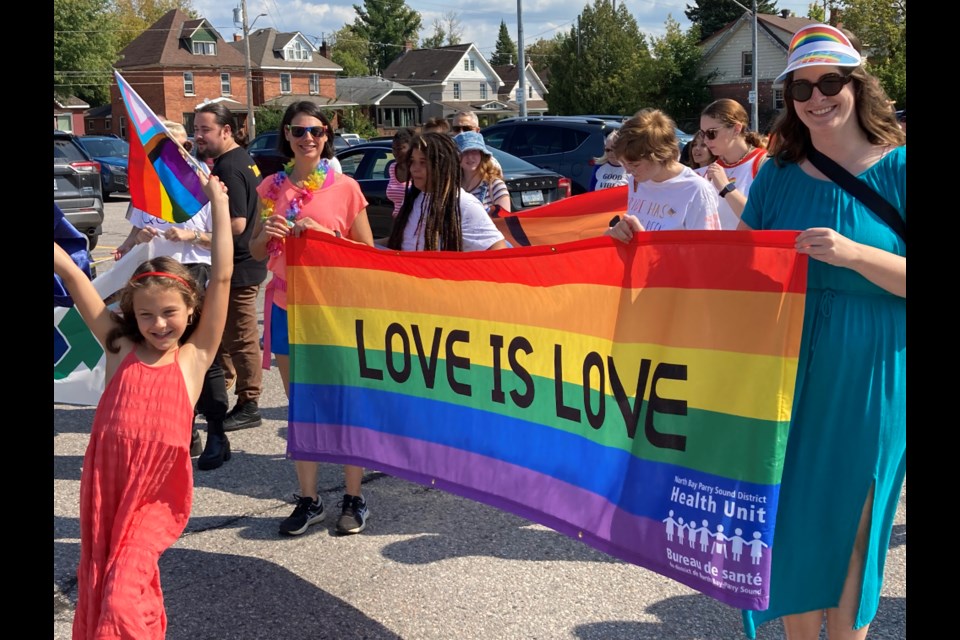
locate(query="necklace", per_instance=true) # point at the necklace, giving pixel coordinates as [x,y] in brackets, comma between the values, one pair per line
[732,164]
[320,178]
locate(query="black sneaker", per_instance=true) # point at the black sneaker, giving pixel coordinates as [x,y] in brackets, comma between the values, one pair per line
[243,416]
[353,514]
[196,445]
[306,513]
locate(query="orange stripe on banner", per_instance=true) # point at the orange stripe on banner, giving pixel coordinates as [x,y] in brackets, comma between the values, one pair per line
[739,321]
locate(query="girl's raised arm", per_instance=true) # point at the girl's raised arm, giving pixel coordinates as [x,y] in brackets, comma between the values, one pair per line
[206,337]
[88,302]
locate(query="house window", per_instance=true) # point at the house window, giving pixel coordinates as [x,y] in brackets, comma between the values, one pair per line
[530,91]
[296,50]
[64,122]
[396,117]
[473,66]
[205,48]
[187,83]
[108,124]
[90,125]
[466,65]
[123,127]
[483,90]
[225,84]
[747,64]
[284,83]
[314,84]
[456,90]
[778,99]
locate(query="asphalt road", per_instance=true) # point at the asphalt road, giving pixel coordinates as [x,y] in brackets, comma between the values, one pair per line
[429,566]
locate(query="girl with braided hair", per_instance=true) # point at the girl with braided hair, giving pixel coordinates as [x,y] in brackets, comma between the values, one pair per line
[437,214]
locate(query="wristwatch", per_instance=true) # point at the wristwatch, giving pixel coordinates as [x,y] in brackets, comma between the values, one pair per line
[731,186]
[196,237]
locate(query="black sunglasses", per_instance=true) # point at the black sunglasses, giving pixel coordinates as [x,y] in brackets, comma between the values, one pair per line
[460,129]
[297,131]
[711,133]
[829,85]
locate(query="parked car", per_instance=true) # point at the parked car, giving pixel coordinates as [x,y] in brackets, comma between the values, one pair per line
[112,154]
[77,189]
[264,151]
[529,186]
[564,144]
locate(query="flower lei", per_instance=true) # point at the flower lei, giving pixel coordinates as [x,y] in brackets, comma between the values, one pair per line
[320,178]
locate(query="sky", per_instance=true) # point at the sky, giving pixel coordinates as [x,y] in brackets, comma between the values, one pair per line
[541,18]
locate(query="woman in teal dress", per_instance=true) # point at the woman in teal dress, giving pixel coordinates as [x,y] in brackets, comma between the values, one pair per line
[846,454]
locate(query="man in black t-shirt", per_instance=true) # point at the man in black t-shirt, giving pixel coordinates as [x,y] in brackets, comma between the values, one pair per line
[213,131]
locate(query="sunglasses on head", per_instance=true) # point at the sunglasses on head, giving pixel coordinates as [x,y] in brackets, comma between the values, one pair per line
[298,132]
[829,85]
[461,129]
[711,133]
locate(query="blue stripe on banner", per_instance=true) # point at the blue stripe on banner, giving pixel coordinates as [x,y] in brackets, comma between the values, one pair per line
[613,473]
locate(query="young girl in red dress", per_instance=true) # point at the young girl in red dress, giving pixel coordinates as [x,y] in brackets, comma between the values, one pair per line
[136,487]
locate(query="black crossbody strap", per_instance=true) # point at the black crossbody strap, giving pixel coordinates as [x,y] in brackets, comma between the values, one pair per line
[859,190]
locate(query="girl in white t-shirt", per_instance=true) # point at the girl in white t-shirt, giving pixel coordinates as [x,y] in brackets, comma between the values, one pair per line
[662,194]
[437,214]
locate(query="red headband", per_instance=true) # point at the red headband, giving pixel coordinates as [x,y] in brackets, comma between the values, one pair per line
[161,274]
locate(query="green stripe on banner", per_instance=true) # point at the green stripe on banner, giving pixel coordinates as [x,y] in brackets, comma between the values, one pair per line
[744,439]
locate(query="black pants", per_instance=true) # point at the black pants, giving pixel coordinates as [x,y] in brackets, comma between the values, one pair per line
[213,402]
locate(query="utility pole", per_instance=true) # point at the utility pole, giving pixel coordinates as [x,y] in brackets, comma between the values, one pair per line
[521,64]
[754,97]
[251,118]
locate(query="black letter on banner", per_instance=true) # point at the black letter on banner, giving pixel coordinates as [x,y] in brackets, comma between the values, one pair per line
[365,371]
[497,395]
[428,367]
[666,405]
[397,330]
[521,344]
[593,360]
[563,411]
[631,415]
[455,361]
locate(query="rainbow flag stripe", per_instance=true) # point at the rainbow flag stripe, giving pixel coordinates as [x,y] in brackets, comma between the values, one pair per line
[819,36]
[162,182]
[584,216]
[611,392]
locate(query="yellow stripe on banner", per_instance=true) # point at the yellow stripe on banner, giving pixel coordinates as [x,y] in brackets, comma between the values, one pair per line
[740,321]
[714,378]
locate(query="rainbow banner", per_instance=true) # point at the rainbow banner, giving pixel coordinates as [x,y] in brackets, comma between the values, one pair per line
[587,215]
[162,181]
[635,397]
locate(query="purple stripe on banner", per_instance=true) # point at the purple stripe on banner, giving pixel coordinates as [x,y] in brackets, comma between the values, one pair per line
[721,564]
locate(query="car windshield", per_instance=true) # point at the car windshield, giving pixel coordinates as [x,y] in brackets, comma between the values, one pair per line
[512,164]
[106,147]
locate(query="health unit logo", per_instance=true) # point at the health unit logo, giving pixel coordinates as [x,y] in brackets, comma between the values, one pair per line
[73,345]
[721,537]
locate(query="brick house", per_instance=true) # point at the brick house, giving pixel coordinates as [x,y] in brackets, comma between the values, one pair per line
[68,114]
[728,53]
[180,63]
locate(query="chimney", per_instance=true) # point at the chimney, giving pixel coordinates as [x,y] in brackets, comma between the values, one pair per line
[237,37]
[324,49]
[408,46]
[785,13]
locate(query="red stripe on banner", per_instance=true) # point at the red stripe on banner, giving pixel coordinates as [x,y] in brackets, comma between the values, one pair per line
[731,260]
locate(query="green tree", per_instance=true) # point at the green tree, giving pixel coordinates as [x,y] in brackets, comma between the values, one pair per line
[84,49]
[435,40]
[816,12]
[713,15]
[542,53]
[134,16]
[505,51]
[387,25]
[269,118]
[354,120]
[350,51]
[881,26]
[677,86]
[602,65]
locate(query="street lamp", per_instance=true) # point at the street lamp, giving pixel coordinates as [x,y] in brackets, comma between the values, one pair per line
[754,98]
